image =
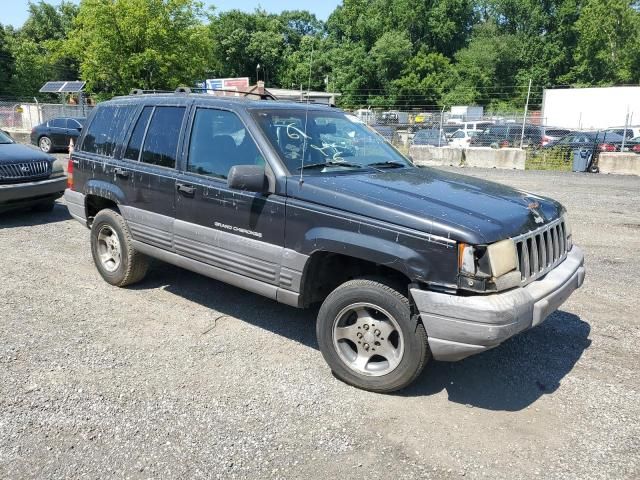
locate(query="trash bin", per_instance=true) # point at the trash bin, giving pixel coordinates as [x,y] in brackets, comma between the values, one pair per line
[581,159]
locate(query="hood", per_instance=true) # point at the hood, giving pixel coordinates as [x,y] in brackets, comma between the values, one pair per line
[446,204]
[16,152]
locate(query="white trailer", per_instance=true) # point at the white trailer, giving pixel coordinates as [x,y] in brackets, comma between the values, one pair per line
[591,108]
[465,113]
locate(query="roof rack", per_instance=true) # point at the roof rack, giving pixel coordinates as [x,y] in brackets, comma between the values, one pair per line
[262,96]
[140,91]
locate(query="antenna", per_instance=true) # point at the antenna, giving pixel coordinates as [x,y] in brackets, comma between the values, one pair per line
[306,115]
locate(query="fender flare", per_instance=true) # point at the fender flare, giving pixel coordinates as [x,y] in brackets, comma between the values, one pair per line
[109,191]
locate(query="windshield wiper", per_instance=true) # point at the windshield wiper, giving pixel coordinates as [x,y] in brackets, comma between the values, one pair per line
[387,164]
[330,164]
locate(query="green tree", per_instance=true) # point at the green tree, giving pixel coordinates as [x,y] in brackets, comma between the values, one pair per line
[150,44]
[424,82]
[7,63]
[608,46]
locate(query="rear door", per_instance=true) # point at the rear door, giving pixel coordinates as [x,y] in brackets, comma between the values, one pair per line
[58,132]
[73,130]
[148,173]
[237,231]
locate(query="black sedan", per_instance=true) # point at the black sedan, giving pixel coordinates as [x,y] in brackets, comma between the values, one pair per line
[28,177]
[603,141]
[56,133]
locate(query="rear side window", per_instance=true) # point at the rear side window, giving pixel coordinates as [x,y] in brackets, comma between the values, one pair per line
[106,129]
[58,123]
[135,143]
[73,123]
[161,142]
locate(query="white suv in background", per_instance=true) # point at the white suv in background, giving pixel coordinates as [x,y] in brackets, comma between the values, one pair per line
[462,138]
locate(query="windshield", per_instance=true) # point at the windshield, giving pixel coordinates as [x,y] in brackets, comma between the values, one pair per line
[333,142]
[5,138]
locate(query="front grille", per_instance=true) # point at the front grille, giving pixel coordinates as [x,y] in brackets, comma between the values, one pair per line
[24,171]
[541,250]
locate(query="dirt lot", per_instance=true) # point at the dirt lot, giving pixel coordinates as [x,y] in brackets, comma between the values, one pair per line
[185,377]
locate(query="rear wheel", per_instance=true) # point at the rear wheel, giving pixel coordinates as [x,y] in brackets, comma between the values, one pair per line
[112,248]
[369,338]
[45,144]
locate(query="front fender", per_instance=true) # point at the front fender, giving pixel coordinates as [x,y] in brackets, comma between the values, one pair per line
[364,247]
[415,257]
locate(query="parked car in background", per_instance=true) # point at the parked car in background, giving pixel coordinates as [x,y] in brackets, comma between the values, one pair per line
[634,144]
[479,125]
[601,141]
[28,177]
[385,131]
[509,135]
[552,134]
[450,129]
[462,138]
[56,133]
[430,136]
[394,117]
[627,132]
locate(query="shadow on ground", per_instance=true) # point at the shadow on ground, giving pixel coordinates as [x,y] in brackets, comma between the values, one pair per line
[26,217]
[510,377]
[515,374]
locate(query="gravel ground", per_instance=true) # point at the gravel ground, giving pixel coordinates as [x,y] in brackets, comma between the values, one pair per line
[185,377]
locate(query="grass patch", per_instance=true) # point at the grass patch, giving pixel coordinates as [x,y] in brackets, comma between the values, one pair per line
[553,159]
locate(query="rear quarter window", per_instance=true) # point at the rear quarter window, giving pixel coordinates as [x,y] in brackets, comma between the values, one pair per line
[107,129]
[161,141]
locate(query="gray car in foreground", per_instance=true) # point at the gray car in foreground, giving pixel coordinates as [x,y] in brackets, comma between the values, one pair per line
[406,263]
[28,177]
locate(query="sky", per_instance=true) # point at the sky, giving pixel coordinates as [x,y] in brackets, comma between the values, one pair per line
[14,12]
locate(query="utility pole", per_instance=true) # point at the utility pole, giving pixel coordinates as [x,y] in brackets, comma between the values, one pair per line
[624,135]
[526,111]
[441,121]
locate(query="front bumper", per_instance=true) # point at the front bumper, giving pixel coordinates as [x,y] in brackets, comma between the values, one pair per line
[16,194]
[459,326]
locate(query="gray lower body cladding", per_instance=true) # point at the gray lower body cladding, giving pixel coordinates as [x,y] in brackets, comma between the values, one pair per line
[459,326]
[260,267]
[75,204]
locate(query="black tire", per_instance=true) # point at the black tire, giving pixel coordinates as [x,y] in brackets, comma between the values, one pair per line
[594,169]
[372,292]
[44,207]
[133,265]
[45,144]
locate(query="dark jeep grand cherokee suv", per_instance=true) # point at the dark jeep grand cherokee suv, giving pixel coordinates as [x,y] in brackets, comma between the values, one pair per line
[304,204]
[28,177]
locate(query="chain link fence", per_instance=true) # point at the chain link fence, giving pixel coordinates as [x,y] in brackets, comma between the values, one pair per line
[21,117]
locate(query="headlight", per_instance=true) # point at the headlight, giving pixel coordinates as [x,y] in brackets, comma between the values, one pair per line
[57,168]
[503,257]
[488,267]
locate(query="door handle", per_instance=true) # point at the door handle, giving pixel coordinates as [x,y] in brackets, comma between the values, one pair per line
[186,190]
[121,172]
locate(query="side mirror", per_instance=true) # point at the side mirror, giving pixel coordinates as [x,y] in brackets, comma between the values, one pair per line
[251,178]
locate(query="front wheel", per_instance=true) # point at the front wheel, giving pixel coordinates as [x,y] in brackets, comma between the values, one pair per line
[369,338]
